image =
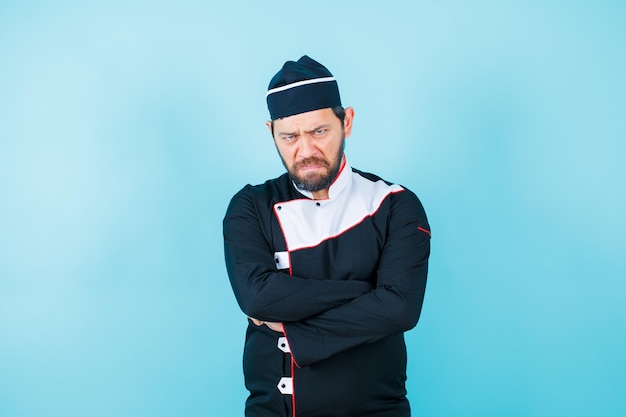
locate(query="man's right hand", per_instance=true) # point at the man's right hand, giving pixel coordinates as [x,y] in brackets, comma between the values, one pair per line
[277,327]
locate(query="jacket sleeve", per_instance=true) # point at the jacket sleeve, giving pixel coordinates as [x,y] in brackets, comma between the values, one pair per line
[395,304]
[261,290]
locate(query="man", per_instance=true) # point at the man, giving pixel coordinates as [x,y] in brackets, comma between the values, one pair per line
[329,263]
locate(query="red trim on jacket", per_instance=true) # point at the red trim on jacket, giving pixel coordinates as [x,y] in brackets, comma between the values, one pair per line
[293,386]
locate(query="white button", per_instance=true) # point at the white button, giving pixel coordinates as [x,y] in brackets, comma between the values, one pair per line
[283,345]
[285,386]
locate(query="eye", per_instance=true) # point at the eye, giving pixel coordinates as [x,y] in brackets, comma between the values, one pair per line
[320,132]
[288,138]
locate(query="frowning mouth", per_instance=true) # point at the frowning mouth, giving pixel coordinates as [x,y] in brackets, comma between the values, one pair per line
[310,167]
[310,164]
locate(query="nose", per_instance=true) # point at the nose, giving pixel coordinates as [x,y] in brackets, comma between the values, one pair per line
[306,147]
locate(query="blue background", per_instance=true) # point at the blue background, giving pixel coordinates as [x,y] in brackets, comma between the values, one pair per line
[126,127]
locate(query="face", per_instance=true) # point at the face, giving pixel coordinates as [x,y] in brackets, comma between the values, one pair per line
[311,147]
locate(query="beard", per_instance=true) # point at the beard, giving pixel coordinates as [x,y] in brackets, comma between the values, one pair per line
[314,181]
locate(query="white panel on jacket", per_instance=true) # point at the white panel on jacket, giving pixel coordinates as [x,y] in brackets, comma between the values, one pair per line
[307,223]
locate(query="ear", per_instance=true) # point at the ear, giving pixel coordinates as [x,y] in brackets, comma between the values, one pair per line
[347,121]
[269,127]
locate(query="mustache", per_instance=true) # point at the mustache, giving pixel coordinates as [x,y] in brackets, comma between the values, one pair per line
[311,161]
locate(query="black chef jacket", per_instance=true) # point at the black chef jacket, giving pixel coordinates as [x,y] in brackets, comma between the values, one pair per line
[345,275]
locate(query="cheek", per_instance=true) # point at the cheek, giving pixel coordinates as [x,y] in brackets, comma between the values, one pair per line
[331,152]
[286,155]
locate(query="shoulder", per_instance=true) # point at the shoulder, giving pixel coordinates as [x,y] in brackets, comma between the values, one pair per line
[404,203]
[402,192]
[369,176]
[260,195]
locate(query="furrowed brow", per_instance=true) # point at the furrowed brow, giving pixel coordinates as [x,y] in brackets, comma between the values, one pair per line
[280,133]
[324,126]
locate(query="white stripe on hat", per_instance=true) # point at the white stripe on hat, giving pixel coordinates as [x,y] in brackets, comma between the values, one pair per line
[298,84]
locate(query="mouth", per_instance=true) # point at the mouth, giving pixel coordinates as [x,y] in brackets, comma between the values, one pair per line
[311,165]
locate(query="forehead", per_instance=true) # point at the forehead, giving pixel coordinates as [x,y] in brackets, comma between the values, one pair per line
[308,120]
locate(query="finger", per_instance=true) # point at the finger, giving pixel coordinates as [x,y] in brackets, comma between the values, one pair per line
[256,322]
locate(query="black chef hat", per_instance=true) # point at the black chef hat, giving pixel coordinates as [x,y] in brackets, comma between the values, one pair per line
[300,87]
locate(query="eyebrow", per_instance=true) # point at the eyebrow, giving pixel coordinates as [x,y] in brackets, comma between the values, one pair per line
[280,133]
[323,126]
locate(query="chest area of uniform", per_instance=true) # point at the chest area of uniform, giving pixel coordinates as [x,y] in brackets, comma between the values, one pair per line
[331,239]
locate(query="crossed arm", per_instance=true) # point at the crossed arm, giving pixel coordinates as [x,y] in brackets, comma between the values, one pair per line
[322,317]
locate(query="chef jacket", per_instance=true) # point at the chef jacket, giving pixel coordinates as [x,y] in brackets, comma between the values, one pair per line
[345,275]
